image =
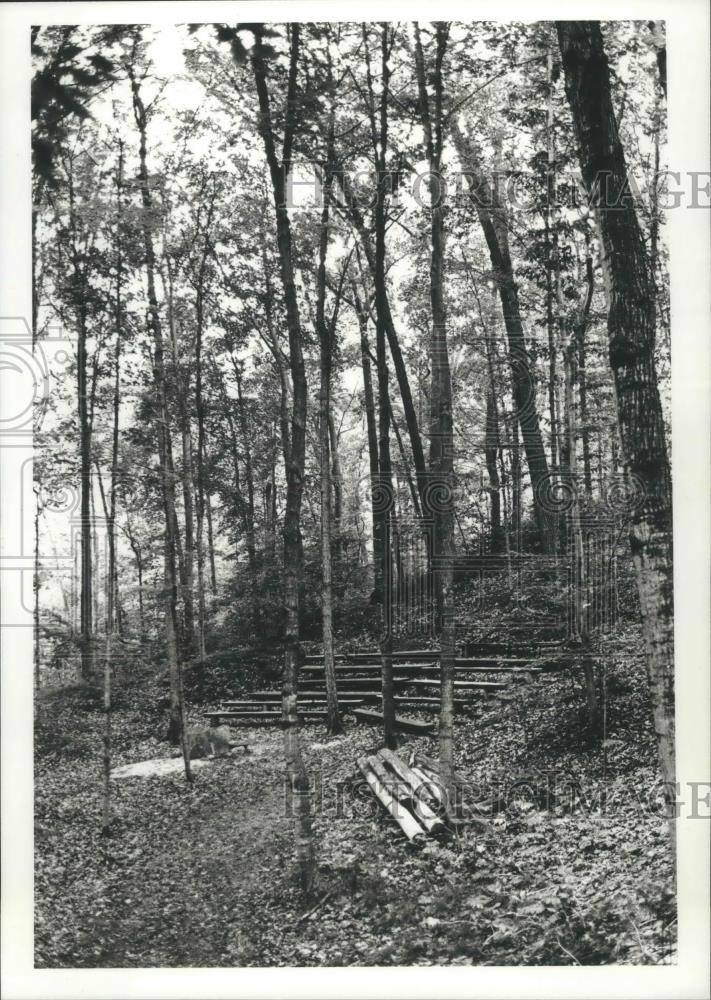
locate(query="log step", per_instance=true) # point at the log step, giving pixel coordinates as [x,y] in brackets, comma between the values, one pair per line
[276,700]
[214,717]
[373,656]
[363,668]
[463,685]
[318,689]
[484,663]
[490,662]
[354,686]
[405,725]
[419,700]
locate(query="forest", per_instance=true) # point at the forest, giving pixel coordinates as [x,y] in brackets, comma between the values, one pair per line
[353,531]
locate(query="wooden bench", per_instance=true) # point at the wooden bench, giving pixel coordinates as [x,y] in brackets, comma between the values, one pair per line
[405,725]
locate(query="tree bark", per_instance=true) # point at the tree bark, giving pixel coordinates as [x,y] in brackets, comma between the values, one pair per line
[582,377]
[111,576]
[384,486]
[372,435]
[200,411]
[211,546]
[325,337]
[176,727]
[491,452]
[440,493]
[250,539]
[337,480]
[296,770]
[188,480]
[551,240]
[631,348]
[80,298]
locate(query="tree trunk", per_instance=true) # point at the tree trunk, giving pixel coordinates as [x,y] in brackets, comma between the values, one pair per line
[491,452]
[406,467]
[111,576]
[551,240]
[325,357]
[337,481]
[440,493]
[251,548]
[200,479]
[384,314]
[631,347]
[660,48]
[384,485]
[188,480]
[372,433]
[79,295]
[211,545]
[296,770]
[176,727]
[495,227]
[583,389]
[579,574]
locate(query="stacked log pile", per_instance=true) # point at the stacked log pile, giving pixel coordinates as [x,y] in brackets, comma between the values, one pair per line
[413,795]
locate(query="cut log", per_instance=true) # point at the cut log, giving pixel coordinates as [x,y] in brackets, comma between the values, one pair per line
[427,764]
[470,813]
[405,725]
[418,791]
[409,825]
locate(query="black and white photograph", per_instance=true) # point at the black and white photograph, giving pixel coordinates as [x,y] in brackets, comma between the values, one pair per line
[359,562]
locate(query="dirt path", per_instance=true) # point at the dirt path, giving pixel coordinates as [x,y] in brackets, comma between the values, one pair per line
[182,875]
[204,876]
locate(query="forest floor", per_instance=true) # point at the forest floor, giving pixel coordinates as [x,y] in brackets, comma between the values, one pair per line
[204,875]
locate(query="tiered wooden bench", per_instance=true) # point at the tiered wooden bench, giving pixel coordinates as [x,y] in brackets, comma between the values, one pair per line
[358,676]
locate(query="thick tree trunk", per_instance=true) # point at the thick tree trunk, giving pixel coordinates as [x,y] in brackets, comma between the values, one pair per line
[326,350]
[551,240]
[200,479]
[296,770]
[440,492]
[384,486]
[631,346]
